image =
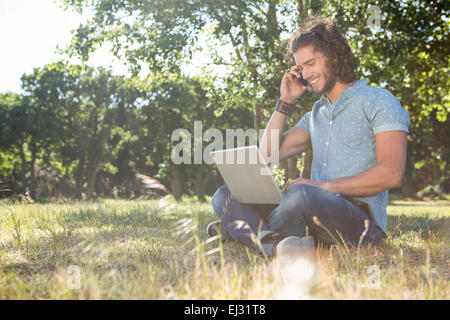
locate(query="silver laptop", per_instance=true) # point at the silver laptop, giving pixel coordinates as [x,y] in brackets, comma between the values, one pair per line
[247,175]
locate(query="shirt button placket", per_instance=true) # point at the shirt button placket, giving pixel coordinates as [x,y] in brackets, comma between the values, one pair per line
[327,147]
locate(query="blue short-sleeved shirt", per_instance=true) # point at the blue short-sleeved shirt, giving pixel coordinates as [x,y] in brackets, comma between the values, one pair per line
[343,136]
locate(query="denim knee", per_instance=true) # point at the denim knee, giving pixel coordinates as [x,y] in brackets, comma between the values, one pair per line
[218,199]
[222,190]
[307,189]
[290,212]
[297,199]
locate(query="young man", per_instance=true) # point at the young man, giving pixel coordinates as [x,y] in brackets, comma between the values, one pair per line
[358,138]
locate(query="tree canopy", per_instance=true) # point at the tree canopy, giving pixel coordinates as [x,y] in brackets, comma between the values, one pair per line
[96,130]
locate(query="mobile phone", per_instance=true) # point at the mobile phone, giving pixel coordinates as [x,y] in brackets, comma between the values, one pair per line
[301,80]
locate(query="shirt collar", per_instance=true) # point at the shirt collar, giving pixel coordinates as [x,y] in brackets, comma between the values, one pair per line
[353,89]
[350,91]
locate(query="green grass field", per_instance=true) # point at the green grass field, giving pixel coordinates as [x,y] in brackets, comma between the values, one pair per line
[149,249]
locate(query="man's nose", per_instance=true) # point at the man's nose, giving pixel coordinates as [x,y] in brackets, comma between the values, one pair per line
[306,74]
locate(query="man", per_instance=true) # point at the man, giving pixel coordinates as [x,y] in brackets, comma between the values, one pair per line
[358,138]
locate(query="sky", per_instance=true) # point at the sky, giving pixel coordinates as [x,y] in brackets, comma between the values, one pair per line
[31,30]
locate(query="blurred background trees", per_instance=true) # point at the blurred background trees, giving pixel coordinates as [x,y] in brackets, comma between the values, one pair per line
[83,131]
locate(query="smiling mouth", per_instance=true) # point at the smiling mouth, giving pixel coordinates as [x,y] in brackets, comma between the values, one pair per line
[314,81]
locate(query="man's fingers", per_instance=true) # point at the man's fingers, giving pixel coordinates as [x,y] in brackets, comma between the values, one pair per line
[290,76]
[294,70]
[287,187]
[294,74]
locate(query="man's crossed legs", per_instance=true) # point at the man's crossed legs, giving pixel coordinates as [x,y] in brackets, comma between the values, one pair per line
[336,218]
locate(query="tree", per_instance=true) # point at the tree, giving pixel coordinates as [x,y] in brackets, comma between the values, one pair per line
[163,34]
[95,127]
[409,54]
[14,122]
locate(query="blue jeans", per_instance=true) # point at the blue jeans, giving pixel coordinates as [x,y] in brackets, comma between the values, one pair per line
[340,220]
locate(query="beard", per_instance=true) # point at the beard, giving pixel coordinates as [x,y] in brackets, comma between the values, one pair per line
[330,81]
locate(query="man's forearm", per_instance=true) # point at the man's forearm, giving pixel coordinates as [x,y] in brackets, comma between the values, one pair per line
[374,180]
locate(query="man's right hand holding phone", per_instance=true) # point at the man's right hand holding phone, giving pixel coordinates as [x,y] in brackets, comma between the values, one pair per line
[291,88]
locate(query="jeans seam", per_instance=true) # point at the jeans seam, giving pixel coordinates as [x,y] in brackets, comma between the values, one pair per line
[228,198]
[307,211]
[307,200]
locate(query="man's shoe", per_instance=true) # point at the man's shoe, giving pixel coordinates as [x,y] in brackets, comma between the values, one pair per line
[268,241]
[294,247]
[216,227]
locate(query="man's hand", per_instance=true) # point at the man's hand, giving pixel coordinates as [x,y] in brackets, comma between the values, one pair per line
[290,88]
[301,180]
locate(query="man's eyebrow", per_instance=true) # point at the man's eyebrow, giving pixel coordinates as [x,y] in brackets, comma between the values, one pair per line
[310,60]
[307,62]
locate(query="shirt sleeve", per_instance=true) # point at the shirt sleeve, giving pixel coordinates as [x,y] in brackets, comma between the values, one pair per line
[303,123]
[387,114]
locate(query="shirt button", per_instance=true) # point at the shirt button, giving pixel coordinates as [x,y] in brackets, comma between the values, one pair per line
[331,122]
[324,164]
[326,143]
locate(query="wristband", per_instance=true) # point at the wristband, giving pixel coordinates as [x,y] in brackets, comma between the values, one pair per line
[284,107]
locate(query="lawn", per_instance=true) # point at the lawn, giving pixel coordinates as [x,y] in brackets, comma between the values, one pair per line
[150,249]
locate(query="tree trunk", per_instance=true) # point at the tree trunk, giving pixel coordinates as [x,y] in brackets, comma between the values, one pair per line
[302,10]
[33,173]
[292,171]
[24,167]
[410,187]
[254,73]
[257,115]
[199,185]
[177,183]
[284,165]
[307,161]
[95,150]
[91,175]
[79,177]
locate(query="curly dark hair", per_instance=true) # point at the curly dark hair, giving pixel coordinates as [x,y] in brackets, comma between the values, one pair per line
[327,38]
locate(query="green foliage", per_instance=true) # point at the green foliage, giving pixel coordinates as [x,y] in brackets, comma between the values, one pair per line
[407,54]
[94,130]
[280,176]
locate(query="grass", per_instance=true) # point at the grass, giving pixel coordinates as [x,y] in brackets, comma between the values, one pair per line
[149,249]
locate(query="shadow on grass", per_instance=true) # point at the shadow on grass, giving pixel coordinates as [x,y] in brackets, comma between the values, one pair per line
[120,249]
[414,236]
[436,203]
[133,235]
[426,227]
[120,227]
[129,239]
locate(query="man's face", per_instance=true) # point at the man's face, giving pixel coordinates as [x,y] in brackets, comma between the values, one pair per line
[312,65]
